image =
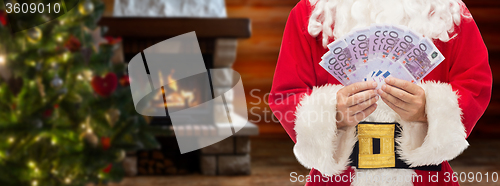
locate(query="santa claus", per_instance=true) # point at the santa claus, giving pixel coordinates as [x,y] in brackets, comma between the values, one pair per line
[432,118]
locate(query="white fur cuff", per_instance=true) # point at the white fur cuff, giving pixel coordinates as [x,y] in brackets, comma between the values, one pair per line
[319,144]
[444,137]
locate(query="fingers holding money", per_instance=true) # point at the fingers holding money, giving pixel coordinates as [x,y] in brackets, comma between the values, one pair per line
[355,102]
[360,107]
[366,112]
[405,98]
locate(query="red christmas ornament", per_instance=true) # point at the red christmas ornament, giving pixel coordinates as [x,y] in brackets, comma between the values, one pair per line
[73,44]
[104,86]
[108,168]
[124,81]
[47,113]
[113,40]
[105,143]
[3,18]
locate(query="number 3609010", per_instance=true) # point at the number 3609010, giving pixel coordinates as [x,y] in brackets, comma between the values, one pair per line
[32,8]
[470,177]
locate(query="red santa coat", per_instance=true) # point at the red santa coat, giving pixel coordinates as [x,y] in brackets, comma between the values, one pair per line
[457,94]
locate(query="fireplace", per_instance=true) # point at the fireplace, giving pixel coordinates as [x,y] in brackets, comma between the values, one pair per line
[189,93]
[178,96]
[217,40]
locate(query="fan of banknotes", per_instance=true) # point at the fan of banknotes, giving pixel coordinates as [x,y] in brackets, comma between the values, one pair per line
[380,51]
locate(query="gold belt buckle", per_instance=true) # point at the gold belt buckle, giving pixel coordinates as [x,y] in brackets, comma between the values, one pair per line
[384,133]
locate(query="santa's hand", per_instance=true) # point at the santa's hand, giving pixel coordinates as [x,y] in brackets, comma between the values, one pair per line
[405,98]
[355,102]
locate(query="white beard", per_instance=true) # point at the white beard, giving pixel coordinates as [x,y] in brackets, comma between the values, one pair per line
[432,18]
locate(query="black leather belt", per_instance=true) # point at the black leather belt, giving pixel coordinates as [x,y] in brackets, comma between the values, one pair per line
[376,148]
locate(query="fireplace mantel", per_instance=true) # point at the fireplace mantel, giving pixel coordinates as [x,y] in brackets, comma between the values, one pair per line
[169,27]
[217,38]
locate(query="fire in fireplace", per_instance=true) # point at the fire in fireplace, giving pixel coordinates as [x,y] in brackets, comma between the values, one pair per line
[176,97]
[189,95]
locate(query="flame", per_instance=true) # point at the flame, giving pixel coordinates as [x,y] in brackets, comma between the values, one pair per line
[188,95]
[171,82]
[175,97]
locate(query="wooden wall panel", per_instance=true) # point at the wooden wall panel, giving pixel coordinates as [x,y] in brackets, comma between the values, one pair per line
[257,56]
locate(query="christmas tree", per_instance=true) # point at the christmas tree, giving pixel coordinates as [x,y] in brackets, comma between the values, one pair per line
[66,111]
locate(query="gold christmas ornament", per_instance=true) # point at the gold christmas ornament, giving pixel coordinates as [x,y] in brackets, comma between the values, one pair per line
[40,86]
[88,75]
[120,155]
[86,7]
[91,138]
[34,35]
[74,97]
[5,72]
[112,116]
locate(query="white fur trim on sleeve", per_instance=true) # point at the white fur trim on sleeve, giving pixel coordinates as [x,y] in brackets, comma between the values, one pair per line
[319,144]
[443,138]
